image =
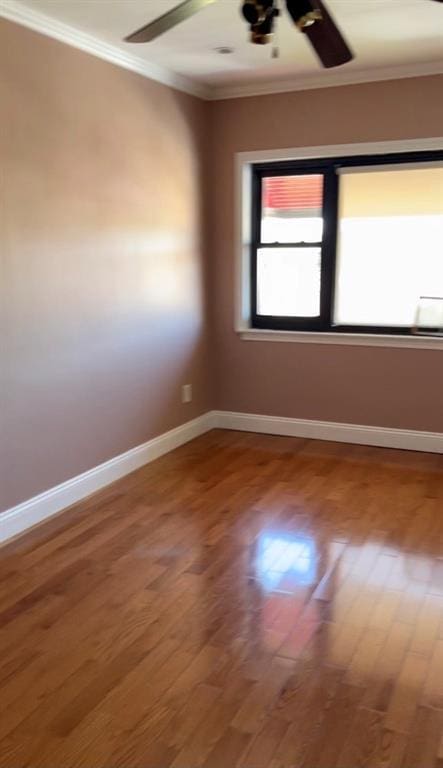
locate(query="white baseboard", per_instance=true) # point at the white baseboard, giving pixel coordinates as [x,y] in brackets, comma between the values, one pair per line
[411,440]
[17,519]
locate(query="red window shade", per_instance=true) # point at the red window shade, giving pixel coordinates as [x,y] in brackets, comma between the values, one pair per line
[293,193]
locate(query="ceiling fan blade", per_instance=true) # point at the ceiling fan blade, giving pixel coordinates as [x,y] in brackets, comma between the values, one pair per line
[327,40]
[168,20]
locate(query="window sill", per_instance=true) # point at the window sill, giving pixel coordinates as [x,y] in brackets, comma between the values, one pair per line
[347,339]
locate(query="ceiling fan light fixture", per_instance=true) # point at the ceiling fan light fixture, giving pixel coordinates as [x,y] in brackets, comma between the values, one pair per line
[262,34]
[260,38]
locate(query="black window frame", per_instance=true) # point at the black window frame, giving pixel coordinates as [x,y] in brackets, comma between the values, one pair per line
[328,168]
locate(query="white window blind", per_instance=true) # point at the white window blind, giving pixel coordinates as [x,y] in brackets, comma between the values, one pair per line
[390,244]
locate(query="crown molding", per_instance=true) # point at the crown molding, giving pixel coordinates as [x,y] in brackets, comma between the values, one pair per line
[327,79]
[46,25]
[64,33]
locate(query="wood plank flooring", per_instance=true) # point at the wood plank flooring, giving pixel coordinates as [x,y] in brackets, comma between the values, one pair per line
[246,601]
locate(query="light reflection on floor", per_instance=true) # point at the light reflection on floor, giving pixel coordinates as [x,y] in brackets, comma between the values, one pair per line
[313,591]
[282,559]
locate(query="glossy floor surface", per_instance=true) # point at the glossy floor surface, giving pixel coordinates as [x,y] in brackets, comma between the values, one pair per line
[247,600]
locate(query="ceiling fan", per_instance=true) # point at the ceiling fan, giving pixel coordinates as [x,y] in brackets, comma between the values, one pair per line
[310,16]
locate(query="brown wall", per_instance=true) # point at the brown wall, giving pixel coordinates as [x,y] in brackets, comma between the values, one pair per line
[362,385]
[102,275]
[107,302]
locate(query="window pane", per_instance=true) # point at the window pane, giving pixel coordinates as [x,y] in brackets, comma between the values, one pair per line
[390,245]
[292,209]
[288,282]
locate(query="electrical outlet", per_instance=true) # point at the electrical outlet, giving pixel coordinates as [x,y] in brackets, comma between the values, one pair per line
[186,393]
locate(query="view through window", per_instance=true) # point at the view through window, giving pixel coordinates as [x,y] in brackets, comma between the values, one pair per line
[288,276]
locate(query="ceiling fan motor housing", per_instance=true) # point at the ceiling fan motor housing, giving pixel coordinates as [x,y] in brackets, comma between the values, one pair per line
[260,16]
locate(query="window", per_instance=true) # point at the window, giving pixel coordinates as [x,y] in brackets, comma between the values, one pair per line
[348,244]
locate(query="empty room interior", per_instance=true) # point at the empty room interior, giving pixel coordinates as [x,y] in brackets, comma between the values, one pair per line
[221,389]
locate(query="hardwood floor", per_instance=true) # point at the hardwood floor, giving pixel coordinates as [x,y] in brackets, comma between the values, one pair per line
[246,601]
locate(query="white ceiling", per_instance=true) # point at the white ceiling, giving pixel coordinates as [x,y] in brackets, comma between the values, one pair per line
[398,36]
